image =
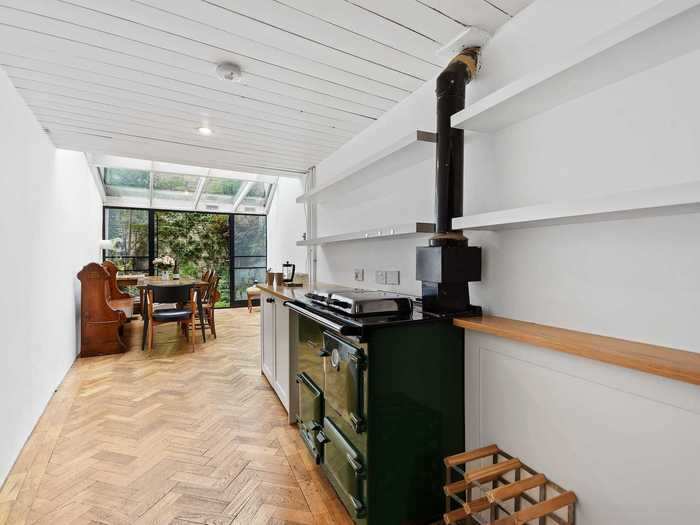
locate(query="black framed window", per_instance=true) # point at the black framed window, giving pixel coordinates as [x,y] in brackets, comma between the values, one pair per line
[130,226]
[233,244]
[249,253]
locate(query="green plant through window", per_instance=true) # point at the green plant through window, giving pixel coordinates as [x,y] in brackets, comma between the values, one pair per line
[197,241]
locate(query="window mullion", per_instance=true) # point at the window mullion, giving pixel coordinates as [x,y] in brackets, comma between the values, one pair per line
[242,195]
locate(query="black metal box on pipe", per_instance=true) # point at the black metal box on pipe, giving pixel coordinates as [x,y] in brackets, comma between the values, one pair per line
[445,272]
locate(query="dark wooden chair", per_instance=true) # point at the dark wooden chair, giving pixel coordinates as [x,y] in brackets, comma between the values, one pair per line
[101,320]
[209,299]
[183,296]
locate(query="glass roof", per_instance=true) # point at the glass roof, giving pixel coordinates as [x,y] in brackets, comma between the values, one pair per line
[171,186]
[126,183]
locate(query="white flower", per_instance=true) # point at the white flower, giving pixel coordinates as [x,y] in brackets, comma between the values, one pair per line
[164,261]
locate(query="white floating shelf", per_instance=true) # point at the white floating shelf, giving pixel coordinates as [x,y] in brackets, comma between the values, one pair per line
[409,150]
[396,231]
[656,35]
[664,200]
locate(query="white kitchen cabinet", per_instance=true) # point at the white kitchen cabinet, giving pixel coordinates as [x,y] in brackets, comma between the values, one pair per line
[275,348]
[267,335]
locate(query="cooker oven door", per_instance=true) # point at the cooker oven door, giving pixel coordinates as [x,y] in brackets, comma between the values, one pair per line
[345,468]
[310,413]
[345,367]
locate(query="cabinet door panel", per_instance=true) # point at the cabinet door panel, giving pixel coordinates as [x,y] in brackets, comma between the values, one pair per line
[282,352]
[268,336]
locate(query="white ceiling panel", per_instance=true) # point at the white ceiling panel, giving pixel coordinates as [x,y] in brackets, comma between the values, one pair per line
[512,7]
[136,78]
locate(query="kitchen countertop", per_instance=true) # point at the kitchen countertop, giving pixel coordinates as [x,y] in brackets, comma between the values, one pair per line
[290,293]
[287,293]
[671,363]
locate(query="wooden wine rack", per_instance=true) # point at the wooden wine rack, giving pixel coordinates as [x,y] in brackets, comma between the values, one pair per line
[502,490]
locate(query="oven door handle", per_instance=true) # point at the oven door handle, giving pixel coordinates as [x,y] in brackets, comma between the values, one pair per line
[326,323]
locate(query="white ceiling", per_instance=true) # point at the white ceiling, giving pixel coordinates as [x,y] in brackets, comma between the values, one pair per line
[137,77]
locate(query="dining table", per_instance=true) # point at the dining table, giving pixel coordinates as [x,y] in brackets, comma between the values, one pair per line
[143,281]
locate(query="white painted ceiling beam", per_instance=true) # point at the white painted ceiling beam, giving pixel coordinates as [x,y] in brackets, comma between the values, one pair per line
[270,76]
[186,134]
[211,88]
[124,134]
[242,194]
[139,39]
[198,192]
[245,24]
[128,89]
[40,96]
[147,149]
[138,77]
[164,101]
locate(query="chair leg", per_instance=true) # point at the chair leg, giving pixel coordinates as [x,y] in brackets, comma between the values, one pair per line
[212,323]
[145,334]
[151,330]
[194,332]
[250,304]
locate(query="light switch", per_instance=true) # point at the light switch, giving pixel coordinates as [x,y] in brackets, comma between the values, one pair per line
[381,277]
[359,274]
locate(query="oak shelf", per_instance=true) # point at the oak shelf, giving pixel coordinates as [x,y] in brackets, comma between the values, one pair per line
[671,363]
[656,35]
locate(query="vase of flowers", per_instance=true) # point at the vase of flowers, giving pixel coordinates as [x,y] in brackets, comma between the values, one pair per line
[164,264]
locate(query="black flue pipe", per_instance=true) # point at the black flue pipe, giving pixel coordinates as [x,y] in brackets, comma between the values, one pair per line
[449,172]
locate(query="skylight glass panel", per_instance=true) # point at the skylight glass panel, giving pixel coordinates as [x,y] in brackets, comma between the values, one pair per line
[221,190]
[174,187]
[256,198]
[120,182]
[134,183]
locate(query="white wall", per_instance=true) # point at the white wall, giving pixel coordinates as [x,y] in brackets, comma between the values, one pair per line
[286,223]
[50,226]
[635,279]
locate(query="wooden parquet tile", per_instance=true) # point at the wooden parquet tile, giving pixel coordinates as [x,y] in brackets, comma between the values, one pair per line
[171,437]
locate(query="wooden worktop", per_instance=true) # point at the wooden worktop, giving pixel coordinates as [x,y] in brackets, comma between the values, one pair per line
[289,293]
[658,360]
[286,293]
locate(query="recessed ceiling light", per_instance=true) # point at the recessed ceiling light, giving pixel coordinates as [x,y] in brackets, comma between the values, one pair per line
[204,131]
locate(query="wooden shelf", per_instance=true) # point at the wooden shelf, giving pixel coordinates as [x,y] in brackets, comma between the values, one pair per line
[665,31]
[409,150]
[664,200]
[658,360]
[396,231]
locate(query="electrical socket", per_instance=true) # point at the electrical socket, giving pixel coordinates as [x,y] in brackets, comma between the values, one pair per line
[381,277]
[392,277]
[359,274]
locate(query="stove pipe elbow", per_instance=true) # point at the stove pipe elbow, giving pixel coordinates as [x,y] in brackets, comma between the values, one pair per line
[449,173]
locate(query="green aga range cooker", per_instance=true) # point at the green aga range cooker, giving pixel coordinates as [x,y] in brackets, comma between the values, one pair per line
[381,400]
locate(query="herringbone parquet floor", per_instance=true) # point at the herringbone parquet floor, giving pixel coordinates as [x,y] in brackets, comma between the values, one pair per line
[171,437]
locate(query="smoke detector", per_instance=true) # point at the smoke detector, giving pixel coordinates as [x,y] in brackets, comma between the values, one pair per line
[229,71]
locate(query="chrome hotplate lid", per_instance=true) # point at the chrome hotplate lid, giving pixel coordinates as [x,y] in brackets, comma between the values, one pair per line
[358,302]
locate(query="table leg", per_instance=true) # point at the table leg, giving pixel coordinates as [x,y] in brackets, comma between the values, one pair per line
[144,315]
[201,317]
